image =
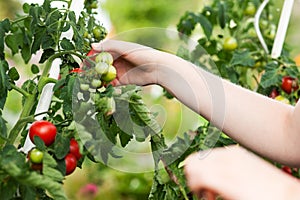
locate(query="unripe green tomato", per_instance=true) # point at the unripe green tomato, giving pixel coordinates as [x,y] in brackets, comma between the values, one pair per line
[230,44]
[84,87]
[96,83]
[86,34]
[250,9]
[110,75]
[97,33]
[36,156]
[104,57]
[101,68]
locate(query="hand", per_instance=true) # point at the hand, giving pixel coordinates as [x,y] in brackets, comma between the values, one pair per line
[135,63]
[235,173]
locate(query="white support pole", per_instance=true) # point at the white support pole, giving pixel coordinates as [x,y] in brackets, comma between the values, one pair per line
[47,92]
[282,28]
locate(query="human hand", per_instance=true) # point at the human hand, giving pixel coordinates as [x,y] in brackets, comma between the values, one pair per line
[135,63]
[235,173]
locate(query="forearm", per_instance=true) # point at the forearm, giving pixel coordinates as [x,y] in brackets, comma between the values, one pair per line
[258,122]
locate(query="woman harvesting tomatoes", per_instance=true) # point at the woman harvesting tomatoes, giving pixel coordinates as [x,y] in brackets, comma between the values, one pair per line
[234,173]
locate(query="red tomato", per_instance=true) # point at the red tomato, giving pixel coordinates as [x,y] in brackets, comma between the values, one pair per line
[289,84]
[43,129]
[77,70]
[274,93]
[74,148]
[287,170]
[71,163]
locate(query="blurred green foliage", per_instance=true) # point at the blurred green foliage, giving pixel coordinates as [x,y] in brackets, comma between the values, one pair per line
[9,8]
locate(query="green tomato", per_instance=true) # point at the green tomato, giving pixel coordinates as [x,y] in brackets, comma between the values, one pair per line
[104,57]
[101,68]
[110,75]
[84,87]
[230,44]
[96,83]
[36,156]
[282,99]
[250,9]
[97,33]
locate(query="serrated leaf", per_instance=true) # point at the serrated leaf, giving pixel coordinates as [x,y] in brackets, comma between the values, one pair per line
[270,77]
[242,58]
[13,74]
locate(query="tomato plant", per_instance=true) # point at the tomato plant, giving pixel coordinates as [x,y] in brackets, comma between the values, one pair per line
[91,117]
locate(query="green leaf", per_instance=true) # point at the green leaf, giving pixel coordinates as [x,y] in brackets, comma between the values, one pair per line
[39,143]
[3,82]
[66,44]
[4,28]
[14,42]
[221,15]
[72,17]
[38,38]
[35,69]
[49,168]
[271,76]
[61,146]
[242,58]
[206,25]
[3,128]
[26,53]
[13,74]
[46,54]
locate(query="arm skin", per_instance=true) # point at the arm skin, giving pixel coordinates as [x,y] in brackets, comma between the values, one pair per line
[261,124]
[264,125]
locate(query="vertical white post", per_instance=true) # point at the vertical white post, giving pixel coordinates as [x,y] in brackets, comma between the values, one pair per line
[282,28]
[47,92]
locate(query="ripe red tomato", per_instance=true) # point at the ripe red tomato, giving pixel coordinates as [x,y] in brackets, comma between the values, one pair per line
[287,170]
[289,84]
[71,163]
[77,70]
[43,129]
[74,148]
[274,93]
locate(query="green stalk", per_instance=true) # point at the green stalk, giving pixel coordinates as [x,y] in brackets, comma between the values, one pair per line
[23,120]
[20,90]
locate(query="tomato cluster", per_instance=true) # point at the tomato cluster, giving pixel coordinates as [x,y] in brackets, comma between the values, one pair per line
[47,132]
[99,73]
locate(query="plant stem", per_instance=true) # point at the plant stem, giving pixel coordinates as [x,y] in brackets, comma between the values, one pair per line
[23,120]
[20,90]
[175,179]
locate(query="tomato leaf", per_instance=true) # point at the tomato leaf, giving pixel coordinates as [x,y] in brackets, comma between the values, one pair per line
[3,82]
[242,58]
[35,69]
[39,143]
[13,74]
[46,54]
[4,28]
[206,25]
[66,44]
[3,128]
[271,75]
[49,168]
[61,146]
